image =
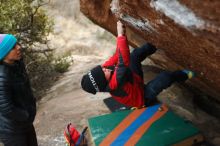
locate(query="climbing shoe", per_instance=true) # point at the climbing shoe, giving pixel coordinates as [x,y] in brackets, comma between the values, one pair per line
[189,73]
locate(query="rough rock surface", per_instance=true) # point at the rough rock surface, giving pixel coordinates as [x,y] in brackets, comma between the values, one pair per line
[187,33]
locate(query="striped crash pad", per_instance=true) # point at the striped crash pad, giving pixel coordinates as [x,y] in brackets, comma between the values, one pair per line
[152,126]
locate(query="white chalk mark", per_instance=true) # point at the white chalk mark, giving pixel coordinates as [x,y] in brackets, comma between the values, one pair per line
[178,12]
[139,24]
[114,6]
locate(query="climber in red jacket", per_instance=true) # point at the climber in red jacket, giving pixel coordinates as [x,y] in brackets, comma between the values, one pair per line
[122,75]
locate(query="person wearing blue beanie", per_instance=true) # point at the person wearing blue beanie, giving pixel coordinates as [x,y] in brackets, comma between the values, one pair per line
[17,103]
[7,43]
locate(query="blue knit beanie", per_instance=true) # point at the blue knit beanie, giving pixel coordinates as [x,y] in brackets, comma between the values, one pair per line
[7,43]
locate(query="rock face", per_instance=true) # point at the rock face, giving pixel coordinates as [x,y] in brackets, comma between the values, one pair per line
[186,32]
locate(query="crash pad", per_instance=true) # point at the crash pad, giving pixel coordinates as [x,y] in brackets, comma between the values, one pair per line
[151,126]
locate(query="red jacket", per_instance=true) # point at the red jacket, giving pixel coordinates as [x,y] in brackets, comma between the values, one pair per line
[125,86]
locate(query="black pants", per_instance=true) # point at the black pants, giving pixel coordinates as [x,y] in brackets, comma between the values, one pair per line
[27,139]
[162,81]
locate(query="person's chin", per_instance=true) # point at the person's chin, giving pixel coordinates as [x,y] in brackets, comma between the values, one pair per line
[19,58]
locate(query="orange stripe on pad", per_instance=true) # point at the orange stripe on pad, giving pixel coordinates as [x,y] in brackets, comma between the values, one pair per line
[143,128]
[121,127]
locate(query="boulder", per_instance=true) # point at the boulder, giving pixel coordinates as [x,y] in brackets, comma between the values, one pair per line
[186,32]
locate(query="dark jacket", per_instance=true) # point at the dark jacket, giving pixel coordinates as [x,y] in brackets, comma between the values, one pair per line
[125,86]
[17,103]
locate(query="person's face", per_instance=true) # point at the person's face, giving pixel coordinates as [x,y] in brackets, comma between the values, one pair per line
[107,73]
[14,54]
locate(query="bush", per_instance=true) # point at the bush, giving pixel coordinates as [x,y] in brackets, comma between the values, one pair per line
[62,63]
[26,21]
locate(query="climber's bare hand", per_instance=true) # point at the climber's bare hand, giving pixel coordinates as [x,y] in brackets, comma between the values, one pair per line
[120,28]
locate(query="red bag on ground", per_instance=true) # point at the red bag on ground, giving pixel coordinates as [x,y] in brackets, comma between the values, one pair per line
[73,137]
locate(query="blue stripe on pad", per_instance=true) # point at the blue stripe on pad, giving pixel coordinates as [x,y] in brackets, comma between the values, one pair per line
[128,132]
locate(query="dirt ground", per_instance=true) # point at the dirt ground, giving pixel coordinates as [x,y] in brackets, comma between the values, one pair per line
[66,103]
